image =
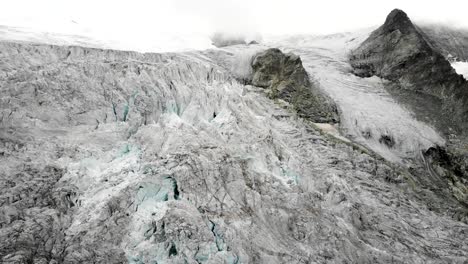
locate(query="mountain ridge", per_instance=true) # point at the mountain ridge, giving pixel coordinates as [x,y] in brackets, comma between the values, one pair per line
[400,52]
[423,79]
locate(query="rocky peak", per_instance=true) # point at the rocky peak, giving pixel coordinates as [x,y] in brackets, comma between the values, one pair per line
[398,20]
[423,80]
[393,50]
[284,77]
[398,51]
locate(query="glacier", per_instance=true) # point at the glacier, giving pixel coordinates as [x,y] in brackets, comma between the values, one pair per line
[114,156]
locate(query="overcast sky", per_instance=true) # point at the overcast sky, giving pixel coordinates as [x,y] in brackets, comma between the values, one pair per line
[144,20]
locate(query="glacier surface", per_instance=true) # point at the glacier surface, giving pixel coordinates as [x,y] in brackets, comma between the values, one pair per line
[168,158]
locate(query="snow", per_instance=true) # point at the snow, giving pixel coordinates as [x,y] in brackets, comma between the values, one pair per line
[461,67]
[167,42]
[368,112]
[20,34]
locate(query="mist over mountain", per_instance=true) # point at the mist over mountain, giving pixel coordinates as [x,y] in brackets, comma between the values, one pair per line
[235,147]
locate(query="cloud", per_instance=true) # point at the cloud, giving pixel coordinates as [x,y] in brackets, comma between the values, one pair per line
[149,22]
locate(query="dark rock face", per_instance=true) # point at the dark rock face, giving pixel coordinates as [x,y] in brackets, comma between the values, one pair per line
[423,79]
[286,78]
[402,53]
[398,20]
[452,165]
[451,42]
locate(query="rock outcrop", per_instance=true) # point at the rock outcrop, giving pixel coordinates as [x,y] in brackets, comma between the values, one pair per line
[400,52]
[423,79]
[285,78]
[450,164]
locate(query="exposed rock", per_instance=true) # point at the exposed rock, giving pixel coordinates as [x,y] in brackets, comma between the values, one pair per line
[387,140]
[285,78]
[424,80]
[451,42]
[402,53]
[367,111]
[452,165]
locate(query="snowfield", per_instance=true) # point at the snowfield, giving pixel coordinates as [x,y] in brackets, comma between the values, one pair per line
[461,67]
[167,42]
[369,114]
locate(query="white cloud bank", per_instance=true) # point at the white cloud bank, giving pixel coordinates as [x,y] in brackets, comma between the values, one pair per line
[146,24]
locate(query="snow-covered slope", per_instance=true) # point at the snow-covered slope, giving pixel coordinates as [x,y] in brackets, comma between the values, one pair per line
[370,116]
[167,42]
[19,34]
[461,67]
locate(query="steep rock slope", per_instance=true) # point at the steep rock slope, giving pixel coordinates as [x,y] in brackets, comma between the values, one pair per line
[400,52]
[422,79]
[286,78]
[370,116]
[451,42]
[122,157]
